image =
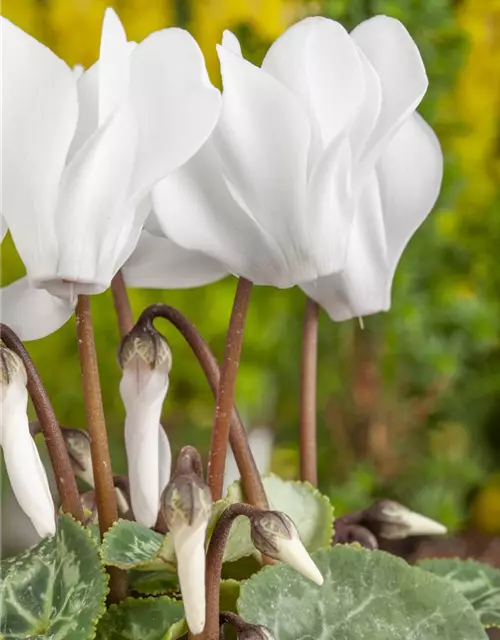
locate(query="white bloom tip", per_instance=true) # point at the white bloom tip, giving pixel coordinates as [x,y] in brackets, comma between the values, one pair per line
[420,525]
[295,554]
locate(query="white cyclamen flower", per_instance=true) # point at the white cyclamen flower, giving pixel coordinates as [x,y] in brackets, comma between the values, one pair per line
[319,164]
[146,360]
[81,153]
[187,507]
[25,469]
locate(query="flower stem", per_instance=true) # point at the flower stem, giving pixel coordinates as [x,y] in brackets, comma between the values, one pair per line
[121,301]
[250,477]
[59,458]
[308,370]
[101,462]
[224,404]
[215,555]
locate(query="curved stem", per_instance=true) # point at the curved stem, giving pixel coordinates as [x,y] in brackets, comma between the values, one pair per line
[59,458]
[215,555]
[224,404]
[308,374]
[250,477]
[96,425]
[122,304]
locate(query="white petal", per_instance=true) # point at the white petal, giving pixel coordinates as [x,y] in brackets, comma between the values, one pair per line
[422,526]
[143,391]
[231,42]
[159,263]
[33,313]
[39,114]
[196,210]
[410,174]
[263,139]
[164,460]
[331,207]
[4,227]
[397,61]
[22,461]
[294,553]
[78,70]
[261,444]
[369,111]
[88,109]
[318,61]
[177,107]
[91,210]
[114,66]
[360,288]
[189,544]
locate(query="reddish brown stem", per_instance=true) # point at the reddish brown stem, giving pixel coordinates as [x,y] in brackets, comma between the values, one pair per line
[250,477]
[227,385]
[123,308]
[308,374]
[96,425]
[59,458]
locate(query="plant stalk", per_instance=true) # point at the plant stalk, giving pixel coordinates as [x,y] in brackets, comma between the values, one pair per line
[121,301]
[224,404]
[308,376]
[101,462]
[253,488]
[59,457]
[215,555]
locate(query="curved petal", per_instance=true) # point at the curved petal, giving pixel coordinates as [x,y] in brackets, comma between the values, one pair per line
[164,460]
[318,61]
[88,109]
[176,106]
[4,227]
[39,114]
[25,469]
[33,313]
[397,61]
[231,42]
[114,66]
[196,210]
[92,203]
[359,289]
[410,174]
[159,263]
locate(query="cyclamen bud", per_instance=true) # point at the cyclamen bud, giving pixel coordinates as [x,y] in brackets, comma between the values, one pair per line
[393,521]
[146,359]
[78,446]
[256,632]
[187,506]
[25,469]
[275,535]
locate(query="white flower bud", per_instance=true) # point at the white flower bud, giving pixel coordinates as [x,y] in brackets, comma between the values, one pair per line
[187,507]
[25,469]
[275,535]
[146,360]
[393,521]
[78,446]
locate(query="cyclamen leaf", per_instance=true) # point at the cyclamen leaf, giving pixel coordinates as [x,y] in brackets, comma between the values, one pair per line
[129,544]
[477,582]
[367,595]
[56,589]
[143,619]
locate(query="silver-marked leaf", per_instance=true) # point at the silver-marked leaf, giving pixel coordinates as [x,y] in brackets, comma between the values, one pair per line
[143,619]
[55,590]
[311,512]
[154,582]
[128,545]
[367,595]
[477,582]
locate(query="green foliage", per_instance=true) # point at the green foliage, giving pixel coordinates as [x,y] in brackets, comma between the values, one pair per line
[143,619]
[129,544]
[477,582]
[56,590]
[366,594]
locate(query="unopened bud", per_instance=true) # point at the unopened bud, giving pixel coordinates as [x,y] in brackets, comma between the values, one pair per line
[275,535]
[256,632]
[186,506]
[11,366]
[146,345]
[393,521]
[78,446]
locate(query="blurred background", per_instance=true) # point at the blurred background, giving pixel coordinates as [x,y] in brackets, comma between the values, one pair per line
[409,407]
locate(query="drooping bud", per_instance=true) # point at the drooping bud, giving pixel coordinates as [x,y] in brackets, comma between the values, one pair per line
[89,504]
[256,632]
[187,506]
[78,445]
[393,521]
[275,535]
[25,469]
[145,359]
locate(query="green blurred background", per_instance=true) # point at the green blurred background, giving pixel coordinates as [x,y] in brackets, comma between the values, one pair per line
[409,407]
